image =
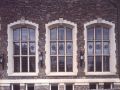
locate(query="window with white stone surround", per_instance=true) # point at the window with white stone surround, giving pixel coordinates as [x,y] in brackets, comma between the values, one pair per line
[100,46]
[61,48]
[22,48]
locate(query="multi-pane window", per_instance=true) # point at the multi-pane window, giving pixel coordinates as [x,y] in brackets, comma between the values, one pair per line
[107,86]
[93,86]
[24,49]
[61,49]
[98,52]
[15,87]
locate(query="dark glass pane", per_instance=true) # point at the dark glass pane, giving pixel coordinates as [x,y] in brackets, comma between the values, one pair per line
[106,48]
[24,49]
[90,64]
[98,33]
[32,64]
[69,87]
[90,48]
[61,48]
[90,33]
[69,64]
[61,64]
[92,85]
[24,64]
[68,34]
[16,86]
[54,87]
[53,64]
[106,63]
[53,48]
[30,87]
[105,34]
[32,34]
[32,48]
[53,34]
[98,48]
[24,34]
[98,63]
[107,85]
[16,48]
[16,35]
[69,48]
[16,64]
[61,35]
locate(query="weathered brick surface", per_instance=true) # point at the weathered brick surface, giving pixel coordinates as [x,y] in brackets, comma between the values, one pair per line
[44,11]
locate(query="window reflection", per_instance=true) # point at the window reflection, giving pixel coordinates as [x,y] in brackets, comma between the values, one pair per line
[61,64]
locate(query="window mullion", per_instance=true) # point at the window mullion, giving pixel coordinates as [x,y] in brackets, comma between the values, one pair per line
[65,49]
[102,48]
[20,51]
[57,51]
[94,52]
[28,50]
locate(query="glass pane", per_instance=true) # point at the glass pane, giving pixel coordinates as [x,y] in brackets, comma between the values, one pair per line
[106,48]
[61,48]
[16,64]
[32,48]
[90,48]
[30,87]
[24,34]
[16,35]
[54,87]
[61,64]
[24,49]
[16,86]
[69,64]
[69,87]
[24,64]
[90,64]
[53,64]
[32,64]
[69,48]
[68,34]
[32,35]
[53,48]
[98,33]
[105,34]
[90,33]
[53,34]
[98,63]
[16,48]
[106,63]
[107,86]
[92,86]
[98,48]
[61,33]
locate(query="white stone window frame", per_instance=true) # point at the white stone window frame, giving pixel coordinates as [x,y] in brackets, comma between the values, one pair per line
[112,44]
[10,63]
[47,47]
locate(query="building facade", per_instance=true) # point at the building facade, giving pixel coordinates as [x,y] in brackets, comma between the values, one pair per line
[59,45]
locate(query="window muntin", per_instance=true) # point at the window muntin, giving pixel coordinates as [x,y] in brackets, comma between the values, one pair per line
[98,49]
[61,49]
[24,49]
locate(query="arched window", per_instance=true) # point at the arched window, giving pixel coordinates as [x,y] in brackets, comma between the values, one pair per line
[100,47]
[22,48]
[61,48]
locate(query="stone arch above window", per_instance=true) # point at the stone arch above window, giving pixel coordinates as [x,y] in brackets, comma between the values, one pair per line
[22,48]
[100,47]
[61,48]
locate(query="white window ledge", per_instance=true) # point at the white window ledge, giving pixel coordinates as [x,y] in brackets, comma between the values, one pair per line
[100,73]
[61,74]
[23,74]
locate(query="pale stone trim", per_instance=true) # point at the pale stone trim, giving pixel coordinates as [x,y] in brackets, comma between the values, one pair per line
[10,47]
[47,48]
[112,47]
